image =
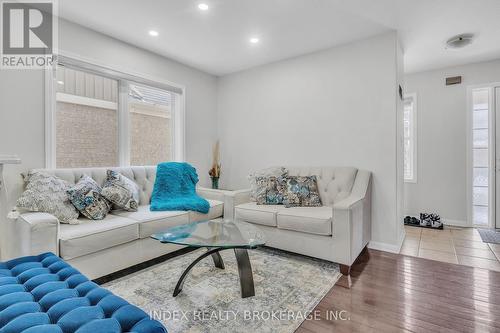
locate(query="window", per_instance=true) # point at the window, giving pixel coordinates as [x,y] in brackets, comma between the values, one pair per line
[99,117]
[480,156]
[150,125]
[410,137]
[86,119]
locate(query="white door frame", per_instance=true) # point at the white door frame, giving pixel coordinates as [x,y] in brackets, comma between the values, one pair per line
[493,182]
[496,107]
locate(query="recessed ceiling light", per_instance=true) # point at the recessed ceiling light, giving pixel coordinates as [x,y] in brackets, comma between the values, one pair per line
[60,82]
[203,6]
[153,33]
[254,40]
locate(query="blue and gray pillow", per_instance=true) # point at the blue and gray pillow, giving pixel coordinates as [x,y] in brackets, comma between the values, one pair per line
[302,192]
[87,199]
[270,190]
[122,192]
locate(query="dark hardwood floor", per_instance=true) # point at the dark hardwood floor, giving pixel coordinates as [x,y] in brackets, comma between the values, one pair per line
[396,293]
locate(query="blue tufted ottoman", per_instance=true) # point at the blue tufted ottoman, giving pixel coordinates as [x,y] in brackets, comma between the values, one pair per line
[43,294]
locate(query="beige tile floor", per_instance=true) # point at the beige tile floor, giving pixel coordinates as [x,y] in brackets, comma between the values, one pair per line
[455,245]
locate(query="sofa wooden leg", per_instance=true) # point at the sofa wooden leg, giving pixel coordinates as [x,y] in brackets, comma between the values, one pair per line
[345,270]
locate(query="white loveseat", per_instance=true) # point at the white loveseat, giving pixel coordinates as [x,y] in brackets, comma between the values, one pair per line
[337,232]
[121,240]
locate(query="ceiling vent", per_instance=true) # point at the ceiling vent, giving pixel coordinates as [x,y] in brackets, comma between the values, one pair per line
[459,41]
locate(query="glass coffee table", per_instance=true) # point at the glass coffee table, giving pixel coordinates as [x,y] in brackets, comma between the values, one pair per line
[216,236]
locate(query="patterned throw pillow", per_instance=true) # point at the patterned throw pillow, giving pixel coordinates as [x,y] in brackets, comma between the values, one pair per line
[86,197]
[47,193]
[302,192]
[121,191]
[269,172]
[270,190]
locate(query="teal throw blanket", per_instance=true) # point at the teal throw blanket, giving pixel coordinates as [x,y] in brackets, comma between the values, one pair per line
[175,189]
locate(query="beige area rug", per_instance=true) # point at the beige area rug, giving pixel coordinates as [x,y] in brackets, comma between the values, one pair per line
[287,288]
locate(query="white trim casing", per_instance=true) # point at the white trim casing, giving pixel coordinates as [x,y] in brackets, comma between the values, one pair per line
[74,99]
[493,148]
[50,117]
[496,108]
[179,133]
[123,125]
[92,65]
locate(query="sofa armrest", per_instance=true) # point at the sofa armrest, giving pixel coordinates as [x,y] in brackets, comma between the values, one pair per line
[211,194]
[352,217]
[233,199]
[230,198]
[32,234]
[349,202]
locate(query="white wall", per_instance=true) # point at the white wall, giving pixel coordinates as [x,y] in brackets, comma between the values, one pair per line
[22,98]
[441,147]
[335,107]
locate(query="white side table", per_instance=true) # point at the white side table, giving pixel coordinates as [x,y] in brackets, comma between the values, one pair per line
[4,159]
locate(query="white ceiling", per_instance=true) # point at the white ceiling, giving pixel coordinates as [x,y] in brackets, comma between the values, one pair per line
[216,40]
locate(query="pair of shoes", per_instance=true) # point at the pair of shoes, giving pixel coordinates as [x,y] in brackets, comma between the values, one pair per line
[431,220]
[425,220]
[436,221]
[410,220]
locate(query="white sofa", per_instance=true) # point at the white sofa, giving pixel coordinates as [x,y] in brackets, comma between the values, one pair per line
[121,240]
[338,231]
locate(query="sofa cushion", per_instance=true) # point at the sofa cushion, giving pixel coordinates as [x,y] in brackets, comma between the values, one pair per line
[260,214]
[92,236]
[312,220]
[216,210]
[152,222]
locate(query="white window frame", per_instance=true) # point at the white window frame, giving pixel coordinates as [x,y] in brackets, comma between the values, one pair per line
[77,62]
[413,138]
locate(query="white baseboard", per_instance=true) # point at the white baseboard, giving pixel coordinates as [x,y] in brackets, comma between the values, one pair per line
[455,223]
[387,247]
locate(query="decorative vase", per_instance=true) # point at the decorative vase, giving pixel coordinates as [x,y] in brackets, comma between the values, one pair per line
[215,183]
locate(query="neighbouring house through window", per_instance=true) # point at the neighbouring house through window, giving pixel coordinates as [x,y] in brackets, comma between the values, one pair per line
[150,125]
[410,137]
[105,120]
[86,119]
